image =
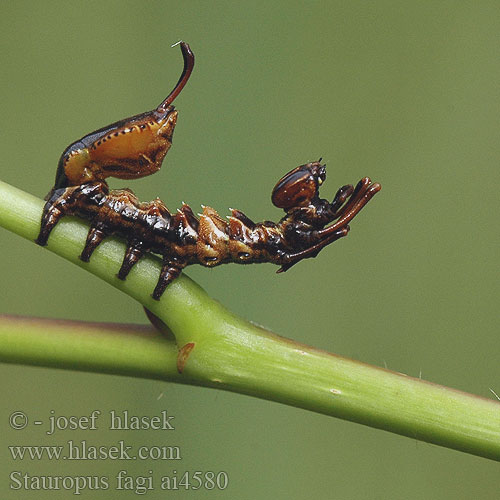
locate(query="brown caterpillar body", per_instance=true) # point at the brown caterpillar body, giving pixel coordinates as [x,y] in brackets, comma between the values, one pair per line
[136,147]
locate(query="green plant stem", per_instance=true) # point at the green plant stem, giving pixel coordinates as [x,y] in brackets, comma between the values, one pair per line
[230,353]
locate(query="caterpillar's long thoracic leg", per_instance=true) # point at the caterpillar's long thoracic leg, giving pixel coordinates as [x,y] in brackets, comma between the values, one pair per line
[340,198]
[312,251]
[365,194]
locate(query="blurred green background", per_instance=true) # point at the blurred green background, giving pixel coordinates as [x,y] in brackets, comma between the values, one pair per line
[405,92]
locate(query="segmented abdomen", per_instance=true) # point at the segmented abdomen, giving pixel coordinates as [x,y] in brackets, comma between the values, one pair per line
[209,240]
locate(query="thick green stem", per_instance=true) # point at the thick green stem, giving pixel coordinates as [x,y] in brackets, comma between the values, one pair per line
[230,353]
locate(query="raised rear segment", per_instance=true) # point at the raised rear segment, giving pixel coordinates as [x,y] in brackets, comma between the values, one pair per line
[128,149]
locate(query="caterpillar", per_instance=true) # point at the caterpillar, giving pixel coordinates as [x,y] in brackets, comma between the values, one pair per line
[135,147]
